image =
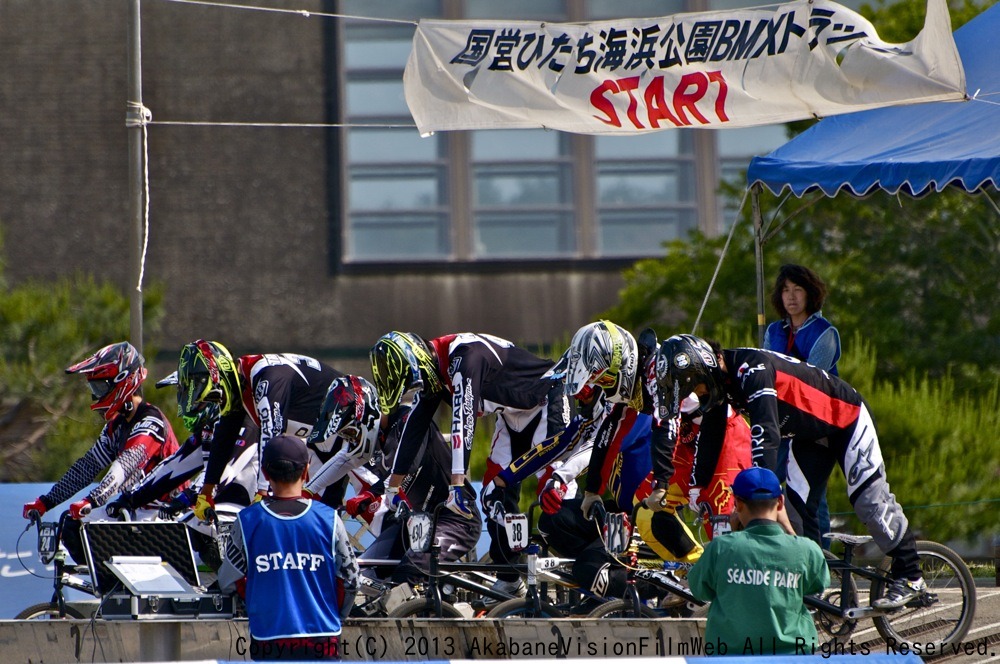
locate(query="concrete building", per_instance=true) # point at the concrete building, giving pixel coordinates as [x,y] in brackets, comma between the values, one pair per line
[273,230]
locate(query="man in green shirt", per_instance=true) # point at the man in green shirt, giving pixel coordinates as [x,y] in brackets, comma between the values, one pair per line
[756,578]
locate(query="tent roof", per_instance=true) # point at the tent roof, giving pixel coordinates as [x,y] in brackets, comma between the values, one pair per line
[916,149]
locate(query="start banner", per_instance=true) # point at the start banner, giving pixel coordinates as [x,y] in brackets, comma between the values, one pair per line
[716,69]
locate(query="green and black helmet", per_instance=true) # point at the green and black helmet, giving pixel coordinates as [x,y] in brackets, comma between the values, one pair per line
[206,374]
[402,361]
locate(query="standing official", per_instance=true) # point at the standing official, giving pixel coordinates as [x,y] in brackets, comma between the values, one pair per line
[299,568]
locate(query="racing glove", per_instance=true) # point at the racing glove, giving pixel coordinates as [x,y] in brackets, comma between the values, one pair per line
[458,503]
[204,508]
[656,501]
[34,510]
[552,496]
[121,504]
[80,508]
[180,503]
[363,502]
[589,499]
[394,497]
[493,502]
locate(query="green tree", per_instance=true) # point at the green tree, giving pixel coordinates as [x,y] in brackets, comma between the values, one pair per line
[916,276]
[45,417]
[913,286]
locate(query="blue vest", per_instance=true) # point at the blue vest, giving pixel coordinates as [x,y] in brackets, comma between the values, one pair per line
[291,572]
[805,338]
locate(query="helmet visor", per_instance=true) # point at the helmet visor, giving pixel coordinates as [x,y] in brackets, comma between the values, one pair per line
[577,375]
[100,388]
[606,379]
[193,394]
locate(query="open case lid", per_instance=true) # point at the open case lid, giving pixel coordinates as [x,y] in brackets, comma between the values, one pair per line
[148,575]
[169,541]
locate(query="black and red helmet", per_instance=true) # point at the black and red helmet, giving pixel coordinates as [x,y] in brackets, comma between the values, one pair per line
[114,374]
[350,411]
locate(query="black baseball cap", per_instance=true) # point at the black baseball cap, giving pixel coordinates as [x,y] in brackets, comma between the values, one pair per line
[286,448]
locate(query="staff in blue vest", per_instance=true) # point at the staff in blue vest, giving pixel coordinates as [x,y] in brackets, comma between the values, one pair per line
[292,560]
[803,333]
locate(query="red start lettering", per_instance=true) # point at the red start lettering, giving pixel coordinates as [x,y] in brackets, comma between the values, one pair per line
[681,109]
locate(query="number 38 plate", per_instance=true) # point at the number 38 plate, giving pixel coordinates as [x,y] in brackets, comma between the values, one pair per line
[517,530]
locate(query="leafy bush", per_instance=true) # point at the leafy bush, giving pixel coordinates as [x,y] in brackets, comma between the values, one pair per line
[939,446]
[45,416]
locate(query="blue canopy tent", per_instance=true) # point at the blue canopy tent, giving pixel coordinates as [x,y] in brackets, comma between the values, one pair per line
[914,149]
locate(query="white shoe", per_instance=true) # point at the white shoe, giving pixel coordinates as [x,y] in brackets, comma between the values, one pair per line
[900,593]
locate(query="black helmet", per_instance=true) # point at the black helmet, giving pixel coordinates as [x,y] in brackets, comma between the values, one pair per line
[682,362]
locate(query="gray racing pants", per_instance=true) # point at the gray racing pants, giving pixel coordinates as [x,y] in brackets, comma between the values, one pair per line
[857,450]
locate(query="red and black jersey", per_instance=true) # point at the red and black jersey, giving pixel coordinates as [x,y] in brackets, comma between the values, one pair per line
[785,397]
[128,448]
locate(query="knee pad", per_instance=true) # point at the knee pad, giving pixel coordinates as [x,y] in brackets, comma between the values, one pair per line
[876,506]
[604,580]
[668,536]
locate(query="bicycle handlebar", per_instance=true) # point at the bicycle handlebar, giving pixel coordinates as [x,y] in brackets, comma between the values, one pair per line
[597,511]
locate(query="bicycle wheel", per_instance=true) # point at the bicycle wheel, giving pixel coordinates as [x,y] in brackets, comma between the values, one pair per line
[518,607]
[834,624]
[424,608]
[47,611]
[941,616]
[619,608]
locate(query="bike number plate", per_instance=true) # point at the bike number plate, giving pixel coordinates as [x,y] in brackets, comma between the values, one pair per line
[47,543]
[517,530]
[616,532]
[720,525]
[418,528]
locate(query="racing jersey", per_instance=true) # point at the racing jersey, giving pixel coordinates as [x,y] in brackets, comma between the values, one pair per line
[189,461]
[282,393]
[127,448]
[783,396]
[621,420]
[425,484]
[486,374]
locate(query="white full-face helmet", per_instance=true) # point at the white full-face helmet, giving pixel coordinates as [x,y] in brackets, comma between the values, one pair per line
[605,355]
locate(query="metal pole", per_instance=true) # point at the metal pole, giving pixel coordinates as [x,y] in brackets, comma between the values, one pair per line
[134,126]
[758,250]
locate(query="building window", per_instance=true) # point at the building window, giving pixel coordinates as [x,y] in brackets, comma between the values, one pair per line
[523,201]
[507,195]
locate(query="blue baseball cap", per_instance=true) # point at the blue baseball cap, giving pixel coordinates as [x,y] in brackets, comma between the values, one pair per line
[756,484]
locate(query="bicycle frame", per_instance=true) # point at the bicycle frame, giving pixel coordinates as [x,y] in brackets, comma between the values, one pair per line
[631,597]
[846,569]
[438,570]
[49,550]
